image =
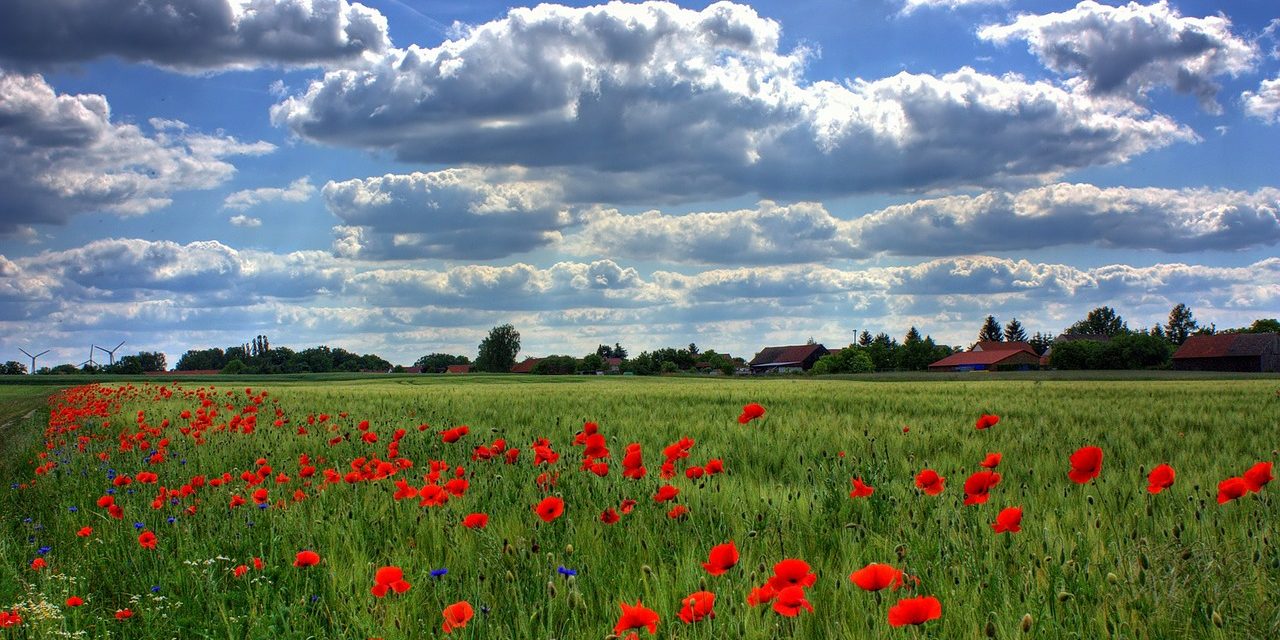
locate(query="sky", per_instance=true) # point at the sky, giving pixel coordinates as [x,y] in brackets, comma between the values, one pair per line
[396,177]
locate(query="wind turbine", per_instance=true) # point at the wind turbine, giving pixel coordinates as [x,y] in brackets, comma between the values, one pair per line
[33,358]
[111,352]
[90,361]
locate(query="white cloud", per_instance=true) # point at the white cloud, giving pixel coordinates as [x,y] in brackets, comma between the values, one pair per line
[189,35]
[61,155]
[644,102]
[299,190]
[241,220]
[1132,49]
[1170,220]
[1264,104]
[454,213]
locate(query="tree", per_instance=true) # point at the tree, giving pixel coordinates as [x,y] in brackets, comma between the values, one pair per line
[1101,321]
[13,368]
[439,362]
[1181,324]
[234,367]
[619,352]
[592,363]
[499,349]
[1013,332]
[692,349]
[864,338]
[851,359]
[991,331]
[1041,342]
[143,362]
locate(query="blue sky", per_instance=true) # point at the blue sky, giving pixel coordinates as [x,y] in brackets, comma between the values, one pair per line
[399,176]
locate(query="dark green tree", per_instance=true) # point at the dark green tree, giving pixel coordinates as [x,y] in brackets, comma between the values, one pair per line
[1041,342]
[498,350]
[864,338]
[1013,332]
[991,331]
[439,362]
[1101,321]
[13,368]
[1181,324]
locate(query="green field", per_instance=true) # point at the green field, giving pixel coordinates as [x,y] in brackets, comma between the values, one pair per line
[1105,559]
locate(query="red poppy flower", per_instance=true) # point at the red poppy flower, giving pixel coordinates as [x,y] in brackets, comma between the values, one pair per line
[860,490]
[875,577]
[1160,478]
[239,571]
[610,516]
[915,611]
[722,558]
[10,619]
[75,601]
[1231,488]
[1258,476]
[124,614]
[306,558]
[791,572]
[986,421]
[930,482]
[991,461]
[1009,520]
[666,492]
[790,601]
[761,595]
[977,488]
[636,617]
[627,505]
[389,579]
[694,472]
[85,532]
[433,495]
[1086,464]
[476,521]
[549,509]
[38,564]
[697,606]
[714,466]
[457,615]
[147,540]
[750,412]
[257,563]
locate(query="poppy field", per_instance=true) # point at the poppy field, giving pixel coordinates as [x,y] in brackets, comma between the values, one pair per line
[501,508]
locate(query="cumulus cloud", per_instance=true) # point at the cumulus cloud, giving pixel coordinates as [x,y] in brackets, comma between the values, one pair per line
[632,102]
[768,234]
[1264,104]
[61,155]
[455,213]
[1132,49]
[299,190]
[189,35]
[241,220]
[1170,220]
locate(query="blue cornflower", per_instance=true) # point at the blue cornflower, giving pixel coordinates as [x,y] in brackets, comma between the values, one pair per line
[315,598]
[439,573]
[172,519]
[44,550]
[155,589]
[263,505]
[73,509]
[111,492]
[138,525]
[564,571]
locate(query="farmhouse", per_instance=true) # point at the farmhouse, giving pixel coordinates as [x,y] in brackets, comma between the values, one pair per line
[989,356]
[526,366]
[1254,352]
[787,359]
[458,368]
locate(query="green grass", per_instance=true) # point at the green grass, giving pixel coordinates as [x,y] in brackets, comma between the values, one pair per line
[1099,560]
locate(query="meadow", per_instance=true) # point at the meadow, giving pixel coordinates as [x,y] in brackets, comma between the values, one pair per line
[1103,558]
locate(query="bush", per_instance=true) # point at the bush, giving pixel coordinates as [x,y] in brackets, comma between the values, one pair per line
[234,367]
[850,360]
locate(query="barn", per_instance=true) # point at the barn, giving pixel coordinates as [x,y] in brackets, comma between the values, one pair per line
[989,356]
[787,359]
[526,366]
[1244,352]
[458,368]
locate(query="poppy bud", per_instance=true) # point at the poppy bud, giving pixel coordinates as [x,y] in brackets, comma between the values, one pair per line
[1112,578]
[1064,596]
[990,629]
[568,549]
[1026,623]
[752,533]
[1143,561]
[511,577]
[646,569]
[551,589]
[1217,620]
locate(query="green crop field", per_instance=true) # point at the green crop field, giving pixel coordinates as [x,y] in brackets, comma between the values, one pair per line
[1101,559]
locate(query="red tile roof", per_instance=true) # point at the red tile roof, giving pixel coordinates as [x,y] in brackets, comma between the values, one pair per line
[970,358]
[994,345]
[458,368]
[526,366]
[779,356]
[1226,345]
